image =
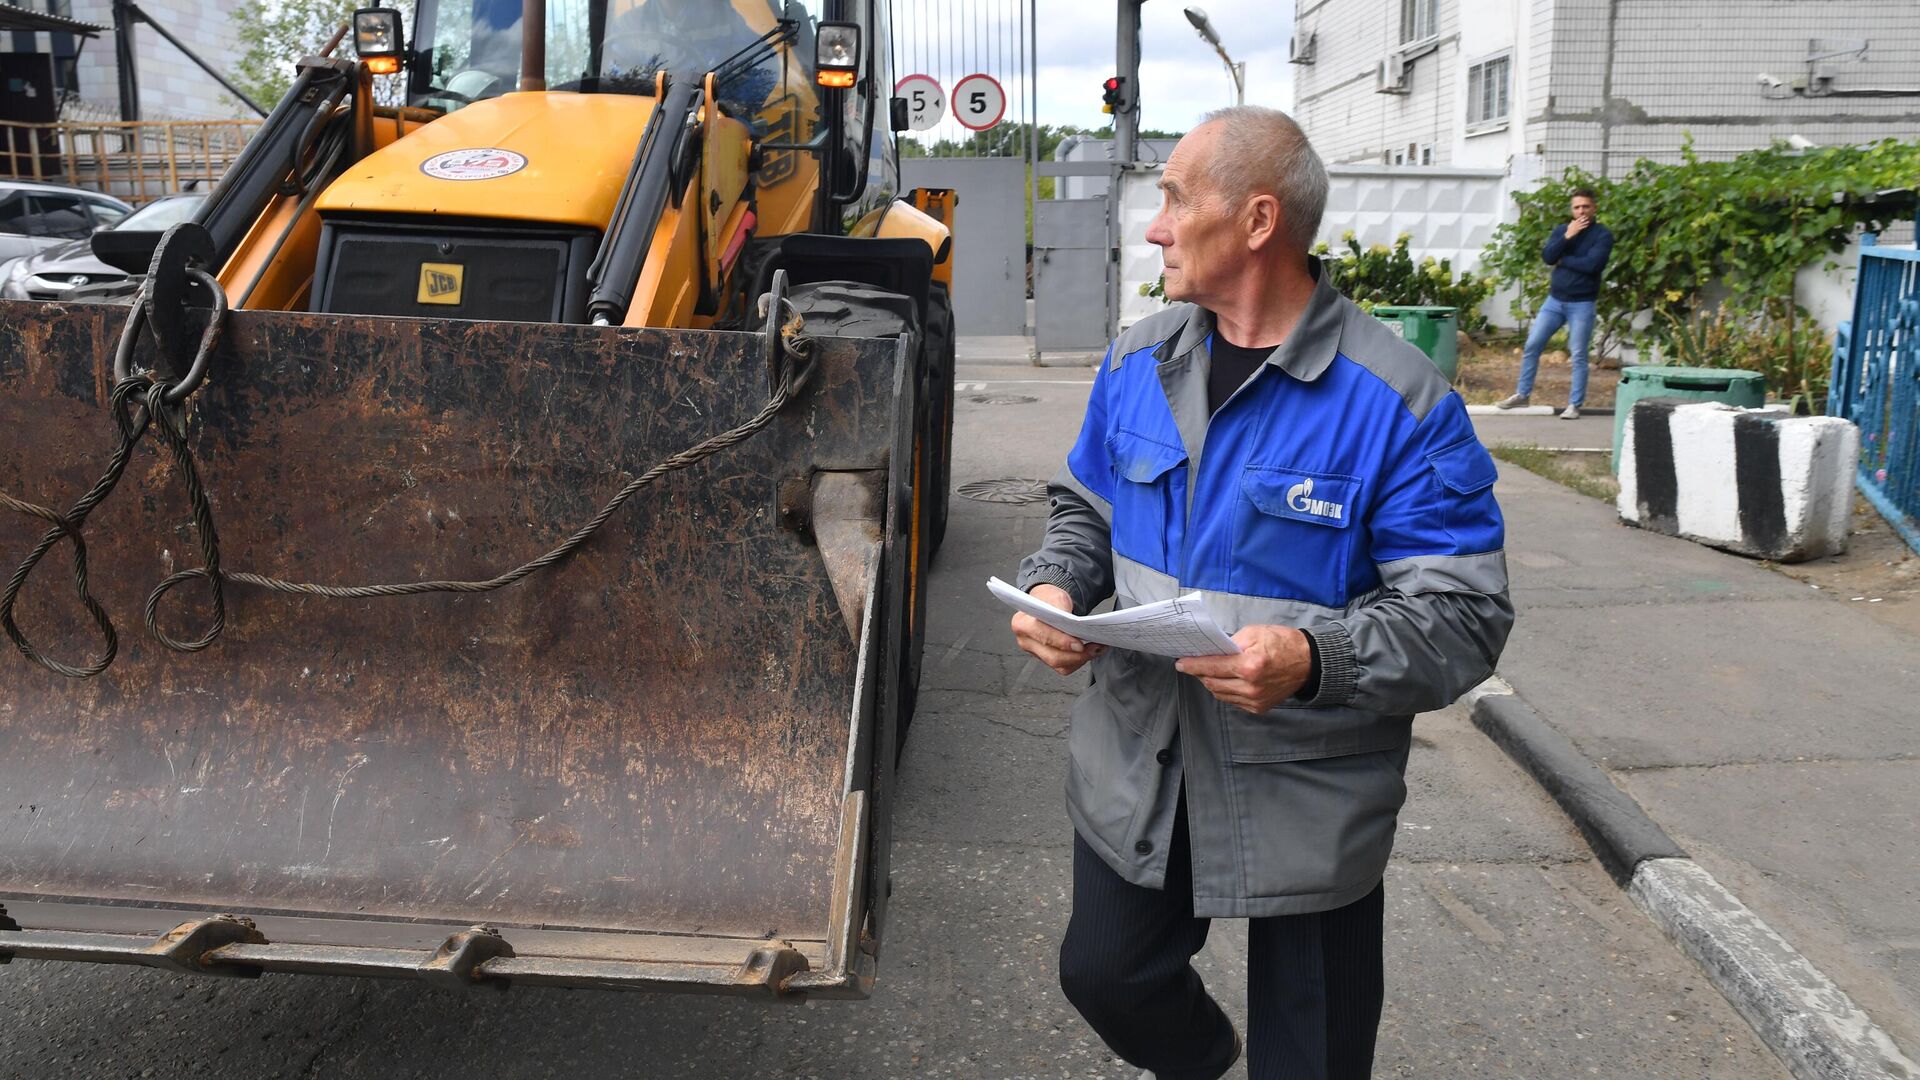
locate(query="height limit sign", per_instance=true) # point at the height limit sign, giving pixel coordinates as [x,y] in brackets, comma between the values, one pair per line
[926,102]
[979,102]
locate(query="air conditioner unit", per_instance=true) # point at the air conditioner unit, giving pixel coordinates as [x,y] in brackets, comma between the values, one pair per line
[1390,77]
[1300,50]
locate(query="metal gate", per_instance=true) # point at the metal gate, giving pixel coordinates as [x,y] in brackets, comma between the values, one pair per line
[1876,382]
[979,55]
[989,252]
[1072,256]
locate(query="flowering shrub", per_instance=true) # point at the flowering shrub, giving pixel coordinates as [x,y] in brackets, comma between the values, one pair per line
[1382,275]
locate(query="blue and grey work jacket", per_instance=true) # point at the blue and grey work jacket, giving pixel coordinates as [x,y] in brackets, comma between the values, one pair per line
[1340,490]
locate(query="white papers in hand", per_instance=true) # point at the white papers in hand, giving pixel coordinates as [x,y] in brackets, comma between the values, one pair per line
[1179,627]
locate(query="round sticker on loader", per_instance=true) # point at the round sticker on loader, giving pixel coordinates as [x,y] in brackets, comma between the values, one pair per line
[480,163]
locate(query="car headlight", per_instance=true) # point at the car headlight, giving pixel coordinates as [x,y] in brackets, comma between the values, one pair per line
[16,270]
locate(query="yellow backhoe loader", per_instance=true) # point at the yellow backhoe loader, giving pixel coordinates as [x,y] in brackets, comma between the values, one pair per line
[526,490]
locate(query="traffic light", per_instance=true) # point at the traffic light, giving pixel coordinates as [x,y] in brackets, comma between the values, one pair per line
[1111,93]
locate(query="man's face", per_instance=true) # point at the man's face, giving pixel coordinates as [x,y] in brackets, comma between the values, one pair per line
[1581,208]
[1202,240]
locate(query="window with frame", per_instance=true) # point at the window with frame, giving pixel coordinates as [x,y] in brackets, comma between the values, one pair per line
[1419,19]
[105,214]
[62,216]
[1487,90]
[14,212]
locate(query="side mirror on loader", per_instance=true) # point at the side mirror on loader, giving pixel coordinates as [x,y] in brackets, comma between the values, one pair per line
[837,55]
[379,39]
[900,114]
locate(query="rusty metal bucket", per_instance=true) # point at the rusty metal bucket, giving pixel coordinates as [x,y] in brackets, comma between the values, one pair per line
[663,764]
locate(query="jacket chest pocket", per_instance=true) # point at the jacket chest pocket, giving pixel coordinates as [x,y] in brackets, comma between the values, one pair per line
[1149,499]
[1293,533]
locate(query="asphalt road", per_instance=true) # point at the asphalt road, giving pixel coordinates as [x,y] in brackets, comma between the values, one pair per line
[1509,951]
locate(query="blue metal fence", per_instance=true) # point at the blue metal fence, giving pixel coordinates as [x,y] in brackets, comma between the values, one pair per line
[1876,383]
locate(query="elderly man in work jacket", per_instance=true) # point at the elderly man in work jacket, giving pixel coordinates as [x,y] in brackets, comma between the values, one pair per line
[1316,480]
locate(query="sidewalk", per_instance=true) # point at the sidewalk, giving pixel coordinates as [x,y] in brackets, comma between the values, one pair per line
[1772,732]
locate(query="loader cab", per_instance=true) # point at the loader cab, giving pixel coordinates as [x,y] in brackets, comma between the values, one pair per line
[827,156]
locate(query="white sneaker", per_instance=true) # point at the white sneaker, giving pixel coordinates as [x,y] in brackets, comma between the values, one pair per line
[1572,413]
[1515,401]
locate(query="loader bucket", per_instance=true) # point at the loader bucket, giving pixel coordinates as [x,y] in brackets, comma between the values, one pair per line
[663,764]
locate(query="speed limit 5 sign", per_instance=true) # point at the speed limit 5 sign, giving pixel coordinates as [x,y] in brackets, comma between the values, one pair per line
[979,101]
[926,102]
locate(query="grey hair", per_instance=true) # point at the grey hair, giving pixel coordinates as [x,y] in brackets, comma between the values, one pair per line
[1263,152]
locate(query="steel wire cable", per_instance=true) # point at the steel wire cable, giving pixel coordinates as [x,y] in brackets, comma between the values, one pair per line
[138,400]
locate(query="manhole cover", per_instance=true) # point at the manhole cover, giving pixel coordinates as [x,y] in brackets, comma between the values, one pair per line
[1007,489]
[1002,399]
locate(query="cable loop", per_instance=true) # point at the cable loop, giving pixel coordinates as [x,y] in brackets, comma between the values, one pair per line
[138,400]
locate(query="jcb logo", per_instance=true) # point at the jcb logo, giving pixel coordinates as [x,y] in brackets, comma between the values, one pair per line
[440,283]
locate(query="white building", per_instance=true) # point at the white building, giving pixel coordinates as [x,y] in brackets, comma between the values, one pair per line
[1536,86]
[81,72]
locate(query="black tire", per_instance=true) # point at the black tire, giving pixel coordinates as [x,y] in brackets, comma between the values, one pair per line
[941,372]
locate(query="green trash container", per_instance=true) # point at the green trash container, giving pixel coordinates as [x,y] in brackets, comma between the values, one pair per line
[1431,329]
[1747,389]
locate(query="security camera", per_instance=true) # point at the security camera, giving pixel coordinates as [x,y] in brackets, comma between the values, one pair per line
[1768,81]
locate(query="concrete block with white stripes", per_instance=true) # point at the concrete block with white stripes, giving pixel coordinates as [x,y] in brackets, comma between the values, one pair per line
[1760,482]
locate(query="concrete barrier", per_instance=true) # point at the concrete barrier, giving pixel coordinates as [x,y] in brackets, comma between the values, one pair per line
[1760,482]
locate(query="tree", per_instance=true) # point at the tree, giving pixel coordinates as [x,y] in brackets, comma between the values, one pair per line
[275,34]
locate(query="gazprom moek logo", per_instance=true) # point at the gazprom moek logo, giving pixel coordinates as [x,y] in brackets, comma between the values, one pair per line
[1300,498]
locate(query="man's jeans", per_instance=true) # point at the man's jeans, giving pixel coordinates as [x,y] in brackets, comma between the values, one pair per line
[1577,317]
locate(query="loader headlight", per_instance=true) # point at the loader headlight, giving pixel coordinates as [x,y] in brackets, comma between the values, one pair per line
[378,39]
[837,54]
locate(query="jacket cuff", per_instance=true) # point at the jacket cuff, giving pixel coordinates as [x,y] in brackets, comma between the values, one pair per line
[1051,574]
[1339,674]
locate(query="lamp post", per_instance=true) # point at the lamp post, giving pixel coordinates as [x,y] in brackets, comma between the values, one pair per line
[1238,71]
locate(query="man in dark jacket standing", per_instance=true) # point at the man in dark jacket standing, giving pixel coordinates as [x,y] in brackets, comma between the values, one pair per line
[1315,479]
[1578,252]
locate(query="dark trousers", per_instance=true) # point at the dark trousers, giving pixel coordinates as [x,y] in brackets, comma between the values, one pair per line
[1313,981]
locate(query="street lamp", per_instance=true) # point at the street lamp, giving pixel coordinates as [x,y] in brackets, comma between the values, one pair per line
[1238,71]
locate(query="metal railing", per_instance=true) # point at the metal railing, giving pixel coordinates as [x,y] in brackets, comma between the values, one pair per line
[1876,382]
[138,161]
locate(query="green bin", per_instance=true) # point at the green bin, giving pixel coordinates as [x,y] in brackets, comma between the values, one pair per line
[1430,329]
[1747,389]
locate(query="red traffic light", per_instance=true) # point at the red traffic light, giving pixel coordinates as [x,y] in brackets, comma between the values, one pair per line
[1110,97]
[1113,83]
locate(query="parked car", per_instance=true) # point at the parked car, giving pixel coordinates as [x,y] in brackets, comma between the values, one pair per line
[53,274]
[35,216]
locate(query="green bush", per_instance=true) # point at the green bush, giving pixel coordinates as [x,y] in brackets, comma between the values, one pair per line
[1748,224]
[1791,350]
[1381,275]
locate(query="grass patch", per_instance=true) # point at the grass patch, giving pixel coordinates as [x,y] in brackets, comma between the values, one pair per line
[1588,474]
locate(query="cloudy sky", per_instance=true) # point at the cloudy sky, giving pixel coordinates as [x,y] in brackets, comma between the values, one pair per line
[1181,76]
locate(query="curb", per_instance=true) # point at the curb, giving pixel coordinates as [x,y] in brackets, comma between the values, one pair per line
[1808,1022]
[1620,833]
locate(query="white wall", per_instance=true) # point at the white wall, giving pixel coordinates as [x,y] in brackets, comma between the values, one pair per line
[1450,214]
[1334,97]
[1492,27]
[1636,78]
[171,86]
